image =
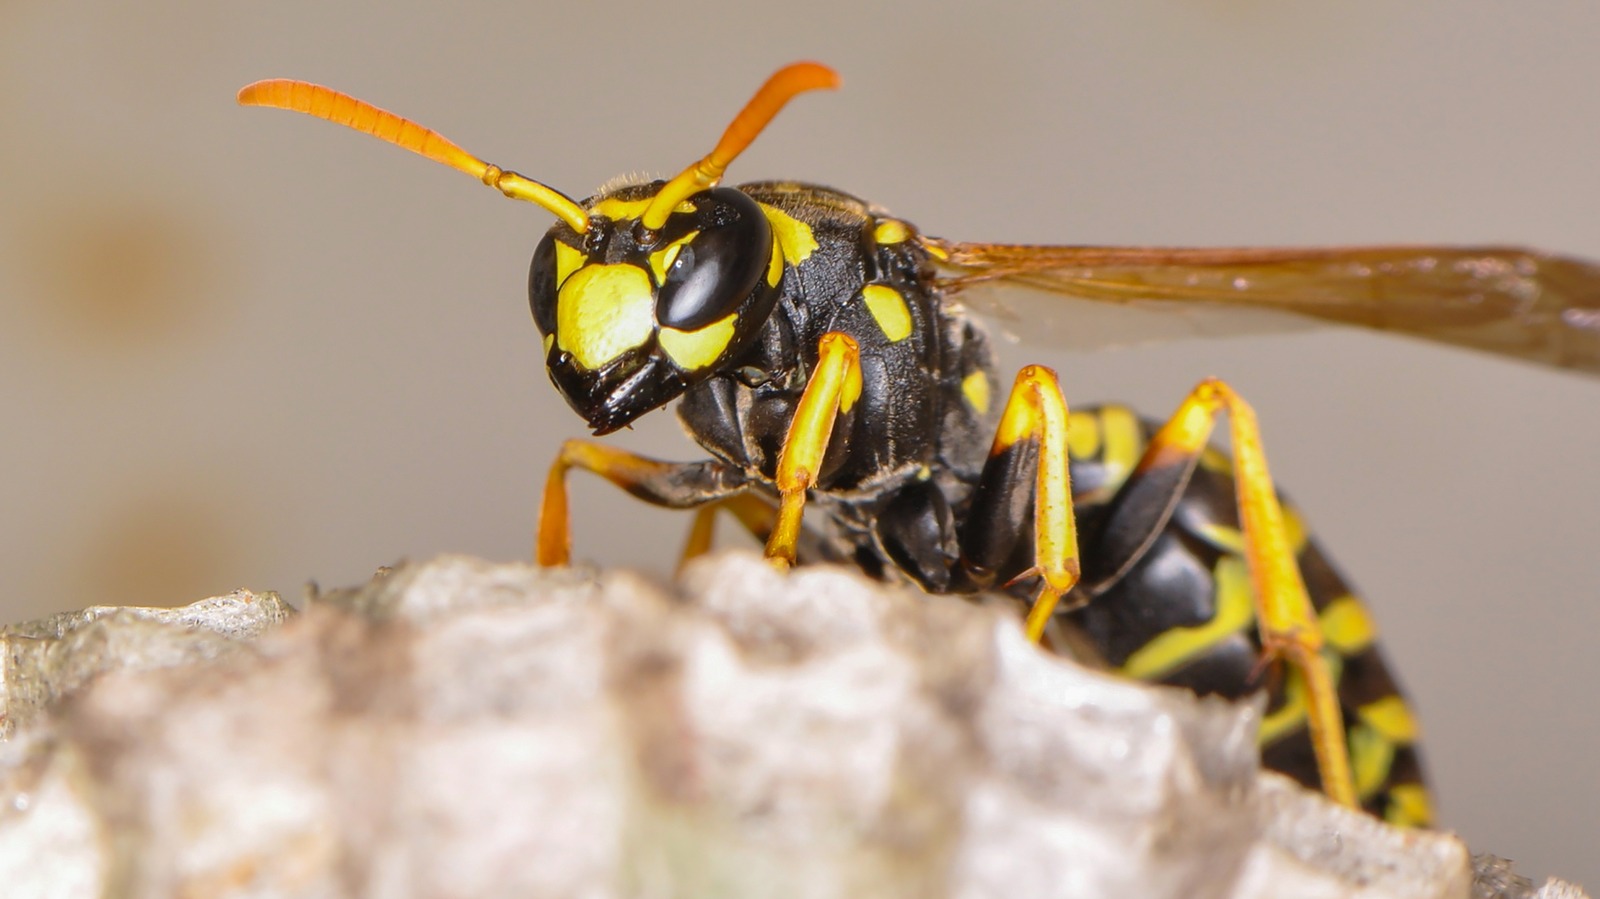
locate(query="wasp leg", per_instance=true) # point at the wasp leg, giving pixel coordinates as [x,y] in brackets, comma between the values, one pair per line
[675,485]
[1027,462]
[756,514]
[1289,627]
[834,387]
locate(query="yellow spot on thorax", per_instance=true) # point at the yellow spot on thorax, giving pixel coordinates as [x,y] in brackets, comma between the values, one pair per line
[975,387]
[603,311]
[890,231]
[795,237]
[889,310]
[697,350]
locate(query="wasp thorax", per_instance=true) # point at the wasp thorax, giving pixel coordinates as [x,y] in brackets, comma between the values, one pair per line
[634,316]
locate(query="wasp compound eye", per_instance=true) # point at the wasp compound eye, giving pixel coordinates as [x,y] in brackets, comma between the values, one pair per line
[542,286]
[720,267]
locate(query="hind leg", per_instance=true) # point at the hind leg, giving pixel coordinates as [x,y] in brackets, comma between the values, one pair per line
[1288,625]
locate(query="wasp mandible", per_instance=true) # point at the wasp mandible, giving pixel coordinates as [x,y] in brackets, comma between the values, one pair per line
[821,354]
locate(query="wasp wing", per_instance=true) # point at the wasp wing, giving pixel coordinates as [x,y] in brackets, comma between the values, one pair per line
[1512,302]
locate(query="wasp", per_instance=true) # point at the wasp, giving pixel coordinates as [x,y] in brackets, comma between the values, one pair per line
[821,351]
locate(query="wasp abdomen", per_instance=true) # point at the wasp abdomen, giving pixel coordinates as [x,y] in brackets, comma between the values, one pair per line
[1181,612]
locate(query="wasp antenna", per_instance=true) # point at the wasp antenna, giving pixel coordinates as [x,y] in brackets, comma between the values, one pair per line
[343,109]
[784,85]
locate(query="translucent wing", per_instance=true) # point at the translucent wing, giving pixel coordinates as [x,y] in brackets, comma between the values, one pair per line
[1512,302]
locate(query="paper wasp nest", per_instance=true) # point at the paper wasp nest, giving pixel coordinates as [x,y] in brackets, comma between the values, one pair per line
[466,729]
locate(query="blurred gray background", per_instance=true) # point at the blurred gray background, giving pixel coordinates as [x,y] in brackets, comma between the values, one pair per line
[245,348]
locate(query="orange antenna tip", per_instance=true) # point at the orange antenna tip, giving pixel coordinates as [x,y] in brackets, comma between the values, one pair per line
[784,85]
[343,109]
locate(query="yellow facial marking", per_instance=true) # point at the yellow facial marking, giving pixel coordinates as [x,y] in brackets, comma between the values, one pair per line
[696,350]
[890,231]
[549,341]
[1083,435]
[975,387]
[621,210]
[1370,758]
[603,311]
[567,261]
[1409,806]
[617,210]
[775,264]
[1390,717]
[1172,648]
[794,236]
[1346,626]
[889,310]
[661,259]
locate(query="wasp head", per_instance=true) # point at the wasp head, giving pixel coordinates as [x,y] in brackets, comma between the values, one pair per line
[642,291]
[633,316]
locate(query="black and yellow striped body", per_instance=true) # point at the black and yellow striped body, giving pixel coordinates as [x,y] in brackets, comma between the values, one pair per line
[905,482]
[1182,615]
[822,359]
[1166,599]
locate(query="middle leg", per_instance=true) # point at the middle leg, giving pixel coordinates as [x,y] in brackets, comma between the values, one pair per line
[1027,468]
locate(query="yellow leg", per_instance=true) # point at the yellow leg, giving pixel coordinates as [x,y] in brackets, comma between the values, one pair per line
[1289,628]
[675,485]
[757,515]
[834,387]
[1037,411]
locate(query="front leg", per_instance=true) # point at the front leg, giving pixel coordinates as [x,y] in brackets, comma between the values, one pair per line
[675,485]
[834,388]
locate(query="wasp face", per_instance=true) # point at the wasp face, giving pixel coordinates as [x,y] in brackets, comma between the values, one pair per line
[632,318]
